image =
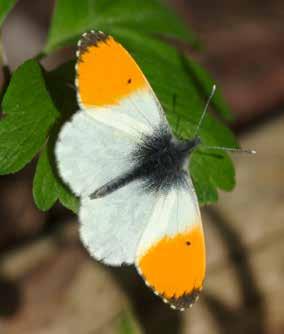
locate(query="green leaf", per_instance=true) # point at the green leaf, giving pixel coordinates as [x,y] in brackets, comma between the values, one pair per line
[47,186]
[5,7]
[204,187]
[204,83]
[44,184]
[29,113]
[67,199]
[209,171]
[144,17]
[29,116]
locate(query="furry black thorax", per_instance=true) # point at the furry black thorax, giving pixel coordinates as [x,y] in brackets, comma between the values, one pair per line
[159,161]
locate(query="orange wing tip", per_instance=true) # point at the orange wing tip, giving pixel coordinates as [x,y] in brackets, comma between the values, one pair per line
[183,302]
[88,39]
[180,303]
[106,73]
[174,267]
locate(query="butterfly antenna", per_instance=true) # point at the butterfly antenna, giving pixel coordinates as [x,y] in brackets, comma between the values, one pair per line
[230,149]
[205,110]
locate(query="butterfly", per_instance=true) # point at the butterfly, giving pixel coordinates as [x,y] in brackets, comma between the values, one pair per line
[119,155]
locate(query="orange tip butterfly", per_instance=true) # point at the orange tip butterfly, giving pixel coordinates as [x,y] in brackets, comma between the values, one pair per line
[118,154]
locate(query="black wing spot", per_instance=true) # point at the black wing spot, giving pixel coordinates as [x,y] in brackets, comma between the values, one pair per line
[188,243]
[129,81]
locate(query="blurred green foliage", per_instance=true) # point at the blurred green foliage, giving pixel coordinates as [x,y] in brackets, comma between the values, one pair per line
[127,323]
[5,7]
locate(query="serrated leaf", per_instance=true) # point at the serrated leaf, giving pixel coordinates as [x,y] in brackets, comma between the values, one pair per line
[147,17]
[5,7]
[28,114]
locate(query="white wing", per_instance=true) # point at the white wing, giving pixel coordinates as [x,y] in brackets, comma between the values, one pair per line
[112,226]
[171,252]
[96,145]
[141,107]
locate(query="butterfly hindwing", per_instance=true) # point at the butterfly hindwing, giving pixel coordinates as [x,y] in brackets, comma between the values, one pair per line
[171,253]
[112,226]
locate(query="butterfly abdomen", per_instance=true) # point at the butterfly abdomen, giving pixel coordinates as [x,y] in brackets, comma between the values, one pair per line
[159,160]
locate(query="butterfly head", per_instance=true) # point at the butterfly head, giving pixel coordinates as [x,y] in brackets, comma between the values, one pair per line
[188,146]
